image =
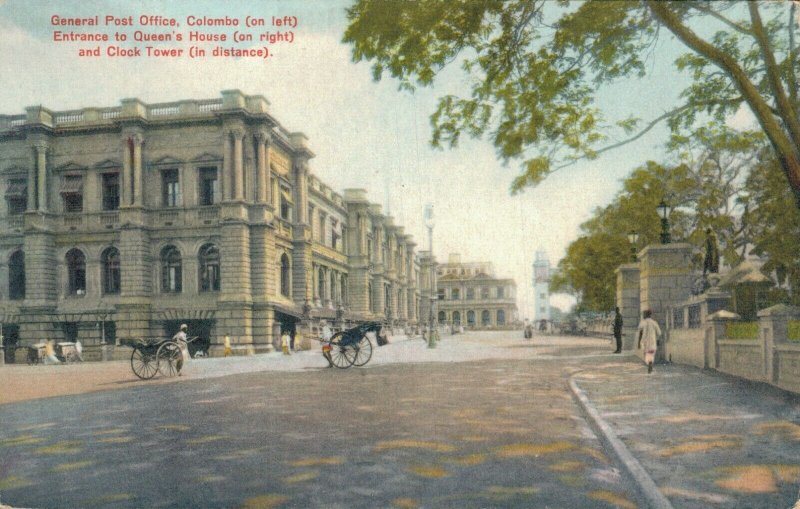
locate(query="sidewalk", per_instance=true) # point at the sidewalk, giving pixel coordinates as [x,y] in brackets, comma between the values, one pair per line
[706,439]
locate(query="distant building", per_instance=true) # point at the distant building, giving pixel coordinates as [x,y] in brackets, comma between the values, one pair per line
[469,294]
[541,286]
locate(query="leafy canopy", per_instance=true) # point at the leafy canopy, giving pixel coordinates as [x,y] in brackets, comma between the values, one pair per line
[535,66]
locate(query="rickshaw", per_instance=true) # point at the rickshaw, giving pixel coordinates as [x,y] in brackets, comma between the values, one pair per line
[351,347]
[151,356]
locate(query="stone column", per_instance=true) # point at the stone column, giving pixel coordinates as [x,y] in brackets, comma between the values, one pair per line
[301,191]
[263,171]
[138,181]
[227,168]
[238,170]
[41,171]
[31,205]
[126,179]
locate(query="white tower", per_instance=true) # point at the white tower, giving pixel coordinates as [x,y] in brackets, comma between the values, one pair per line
[541,282]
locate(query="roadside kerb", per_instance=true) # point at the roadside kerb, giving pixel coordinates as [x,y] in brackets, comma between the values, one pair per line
[647,487]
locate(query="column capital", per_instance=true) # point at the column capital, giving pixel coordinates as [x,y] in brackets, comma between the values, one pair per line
[264,136]
[237,133]
[40,145]
[301,165]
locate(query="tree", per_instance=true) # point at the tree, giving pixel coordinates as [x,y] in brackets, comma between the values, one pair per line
[587,270]
[535,68]
[773,224]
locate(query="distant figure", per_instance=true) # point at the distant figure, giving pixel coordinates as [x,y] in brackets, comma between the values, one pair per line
[711,261]
[50,353]
[181,338]
[286,343]
[227,347]
[648,334]
[326,336]
[79,350]
[618,330]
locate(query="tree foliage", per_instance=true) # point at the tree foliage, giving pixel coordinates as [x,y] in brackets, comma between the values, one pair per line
[705,184]
[535,68]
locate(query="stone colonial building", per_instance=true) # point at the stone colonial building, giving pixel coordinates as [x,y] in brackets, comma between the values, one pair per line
[124,222]
[469,294]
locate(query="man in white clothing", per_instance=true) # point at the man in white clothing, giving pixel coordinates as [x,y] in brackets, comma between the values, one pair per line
[648,335]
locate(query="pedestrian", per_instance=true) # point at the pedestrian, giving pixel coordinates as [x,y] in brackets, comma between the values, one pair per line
[286,343]
[325,335]
[181,339]
[227,347]
[79,350]
[50,352]
[648,335]
[618,330]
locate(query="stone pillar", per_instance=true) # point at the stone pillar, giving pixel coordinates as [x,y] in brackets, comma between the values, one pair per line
[31,205]
[126,179]
[227,167]
[136,271]
[138,181]
[263,170]
[301,191]
[41,172]
[773,324]
[628,303]
[238,167]
[41,286]
[665,279]
[714,331]
[235,315]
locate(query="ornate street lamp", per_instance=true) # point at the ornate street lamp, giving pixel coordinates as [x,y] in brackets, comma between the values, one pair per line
[633,238]
[663,212]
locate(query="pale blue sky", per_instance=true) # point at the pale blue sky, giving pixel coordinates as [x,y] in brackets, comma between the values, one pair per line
[365,134]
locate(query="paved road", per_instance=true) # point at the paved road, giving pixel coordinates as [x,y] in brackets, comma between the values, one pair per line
[484,421]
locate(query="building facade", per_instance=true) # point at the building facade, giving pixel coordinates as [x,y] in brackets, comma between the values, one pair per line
[469,295]
[124,222]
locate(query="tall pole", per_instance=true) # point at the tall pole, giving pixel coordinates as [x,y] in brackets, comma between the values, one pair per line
[433,290]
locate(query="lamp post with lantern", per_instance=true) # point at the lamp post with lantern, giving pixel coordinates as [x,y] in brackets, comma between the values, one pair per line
[633,238]
[663,212]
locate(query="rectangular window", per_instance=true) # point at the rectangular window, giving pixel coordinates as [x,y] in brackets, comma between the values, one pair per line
[209,186]
[170,188]
[322,225]
[335,236]
[500,292]
[17,196]
[484,293]
[110,191]
[72,193]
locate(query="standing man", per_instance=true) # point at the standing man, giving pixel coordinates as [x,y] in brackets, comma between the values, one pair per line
[618,330]
[648,334]
[180,338]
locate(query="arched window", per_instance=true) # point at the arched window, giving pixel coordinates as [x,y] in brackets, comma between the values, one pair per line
[171,270]
[471,318]
[501,317]
[456,318]
[209,268]
[285,273]
[16,276]
[485,318]
[442,317]
[321,284]
[111,271]
[76,272]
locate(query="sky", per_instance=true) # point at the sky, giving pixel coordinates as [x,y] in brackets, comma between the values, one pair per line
[365,134]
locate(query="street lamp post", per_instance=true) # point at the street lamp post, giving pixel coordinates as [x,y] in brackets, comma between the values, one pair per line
[663,212]
[433,291]
[633,238]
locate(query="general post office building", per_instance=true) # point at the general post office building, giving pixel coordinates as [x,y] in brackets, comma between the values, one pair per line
[124,222]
